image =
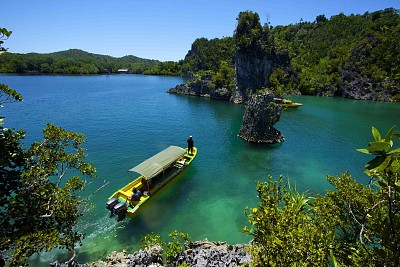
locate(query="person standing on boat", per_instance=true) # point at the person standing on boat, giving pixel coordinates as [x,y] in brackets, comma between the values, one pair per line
[190,145]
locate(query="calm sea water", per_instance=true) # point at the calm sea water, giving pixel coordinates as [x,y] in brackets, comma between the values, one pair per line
[128,118]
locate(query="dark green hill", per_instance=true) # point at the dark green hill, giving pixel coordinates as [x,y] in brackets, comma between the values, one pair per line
[77,53]
[72,61]
[355,56]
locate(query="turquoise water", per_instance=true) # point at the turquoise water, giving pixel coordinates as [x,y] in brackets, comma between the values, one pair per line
[128,118]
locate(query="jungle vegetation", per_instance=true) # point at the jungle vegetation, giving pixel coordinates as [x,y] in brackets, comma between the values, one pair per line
[314,58]
[73,61]
[328,52]
[352,224]
[40,202]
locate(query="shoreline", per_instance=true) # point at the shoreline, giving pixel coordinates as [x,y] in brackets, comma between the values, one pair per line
[198,253]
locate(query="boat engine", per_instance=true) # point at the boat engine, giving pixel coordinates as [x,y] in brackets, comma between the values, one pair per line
[111,203]
[120,210]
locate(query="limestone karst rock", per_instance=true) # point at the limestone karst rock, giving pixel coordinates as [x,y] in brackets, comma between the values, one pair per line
[259,118]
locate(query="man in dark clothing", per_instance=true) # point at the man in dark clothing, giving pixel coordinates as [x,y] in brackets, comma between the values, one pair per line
[136,194]
[190,145]
[134,197]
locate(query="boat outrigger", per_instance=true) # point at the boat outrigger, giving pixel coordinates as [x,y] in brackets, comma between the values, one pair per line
[155,174]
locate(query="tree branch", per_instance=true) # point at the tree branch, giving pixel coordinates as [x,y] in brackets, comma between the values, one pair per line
[97,190]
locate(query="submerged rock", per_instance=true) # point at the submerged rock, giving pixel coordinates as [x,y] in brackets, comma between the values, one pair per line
[258,120]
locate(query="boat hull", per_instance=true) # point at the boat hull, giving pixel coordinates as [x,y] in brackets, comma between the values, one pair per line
[287,103]
[154,188]
[292,105]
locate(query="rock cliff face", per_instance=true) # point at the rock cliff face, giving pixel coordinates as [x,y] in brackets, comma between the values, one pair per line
[258,120]
[253,69]
[203,88]
[356,86]
[200,253]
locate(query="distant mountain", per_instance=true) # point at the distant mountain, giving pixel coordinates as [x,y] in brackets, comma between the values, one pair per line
[74,61]
[79,54]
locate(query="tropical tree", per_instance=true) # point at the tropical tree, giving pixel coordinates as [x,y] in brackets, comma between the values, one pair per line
[42,203]
[40,188]
[352,225]
[380,220]
[225,76]
[172,248]
[284,228]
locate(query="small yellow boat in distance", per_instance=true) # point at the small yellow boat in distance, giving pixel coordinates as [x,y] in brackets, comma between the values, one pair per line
[156,173]
[287,103]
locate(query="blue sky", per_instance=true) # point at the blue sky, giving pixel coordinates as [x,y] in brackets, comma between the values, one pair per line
[152,29]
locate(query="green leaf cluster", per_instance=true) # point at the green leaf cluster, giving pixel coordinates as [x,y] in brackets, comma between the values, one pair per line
[40,202]
[285,230]
[386,160]
[40,188]
[172,248]
[351,225]
[4,34]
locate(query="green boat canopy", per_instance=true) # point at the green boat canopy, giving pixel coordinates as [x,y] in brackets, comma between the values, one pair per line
[159,162]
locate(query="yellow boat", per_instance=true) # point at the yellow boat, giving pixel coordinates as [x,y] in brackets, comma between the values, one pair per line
[287,103]
[155,174]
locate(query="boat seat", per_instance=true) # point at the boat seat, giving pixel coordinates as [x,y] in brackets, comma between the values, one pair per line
[138,185]
[182,161]
[124,193]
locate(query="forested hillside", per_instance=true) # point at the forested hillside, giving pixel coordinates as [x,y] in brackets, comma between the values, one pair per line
[331,56]
[73,61]
[356,56]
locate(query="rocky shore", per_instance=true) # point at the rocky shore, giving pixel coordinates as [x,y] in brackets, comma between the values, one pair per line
[203,88]
[200,253]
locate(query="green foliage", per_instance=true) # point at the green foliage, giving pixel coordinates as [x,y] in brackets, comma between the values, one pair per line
[40,202]
[173,247]
[151,240]
[7,95]
[4,34]
[169,68]
[39,199]
[225,77]
[351,225]
[281,82]
[72,61]
[326,52]
[207,55]
[386,162]
[252,38]
[284,229]
[200,76]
